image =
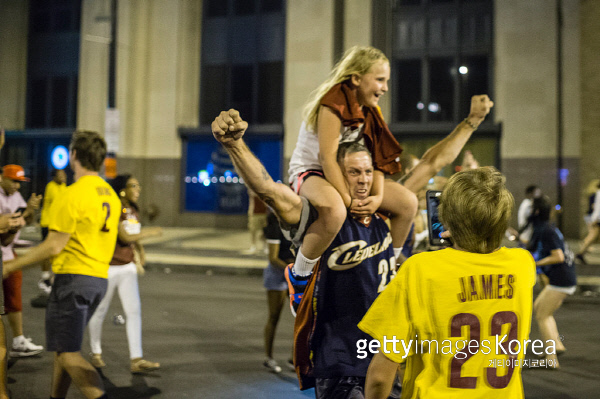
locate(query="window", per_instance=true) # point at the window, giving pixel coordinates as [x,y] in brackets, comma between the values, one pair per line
[410,2]
[474,80]
[441,53]
[53,63]
[244,7]
[37,110]
[440,105]
[408,104]
[270,93]
[271,5]
[216,8]
[214,81]
[60,90]
[243,51]
[242,82]
[243,48]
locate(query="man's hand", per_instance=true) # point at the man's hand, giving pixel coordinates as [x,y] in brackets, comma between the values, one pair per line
[365,207]
[480,107]
[10,221]
[228,127]
[153,231]
[34,202]
[446,234]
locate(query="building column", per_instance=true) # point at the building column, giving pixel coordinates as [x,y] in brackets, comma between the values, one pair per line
[92,97]
[590,94]
[158,85]
[309,57]
[526,101]
[14,25]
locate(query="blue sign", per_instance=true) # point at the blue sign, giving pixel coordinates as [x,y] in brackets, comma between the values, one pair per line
[60,157]
[211,182]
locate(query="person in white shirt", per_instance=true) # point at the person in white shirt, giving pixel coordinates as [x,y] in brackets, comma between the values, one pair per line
[525,228]
[594,229]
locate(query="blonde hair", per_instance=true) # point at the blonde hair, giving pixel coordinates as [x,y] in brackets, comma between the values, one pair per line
[476,207]
[357,60]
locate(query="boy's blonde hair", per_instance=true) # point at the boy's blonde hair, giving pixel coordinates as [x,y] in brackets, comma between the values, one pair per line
[476,207]
[357,60]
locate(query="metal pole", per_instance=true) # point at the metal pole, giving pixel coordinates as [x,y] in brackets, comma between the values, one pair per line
[112,56]
[559,112]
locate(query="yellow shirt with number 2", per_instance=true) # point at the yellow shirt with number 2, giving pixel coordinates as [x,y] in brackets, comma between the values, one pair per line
[89,211]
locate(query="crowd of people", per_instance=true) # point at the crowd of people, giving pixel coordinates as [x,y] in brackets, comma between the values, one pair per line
[368,291]
[86,227]
[340,240]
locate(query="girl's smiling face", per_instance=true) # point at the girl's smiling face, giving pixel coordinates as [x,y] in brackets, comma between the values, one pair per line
[373,84]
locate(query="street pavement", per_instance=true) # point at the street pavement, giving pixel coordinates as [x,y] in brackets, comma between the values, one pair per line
[204,310]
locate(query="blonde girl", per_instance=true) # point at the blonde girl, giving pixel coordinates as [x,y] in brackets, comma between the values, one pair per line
[345,108]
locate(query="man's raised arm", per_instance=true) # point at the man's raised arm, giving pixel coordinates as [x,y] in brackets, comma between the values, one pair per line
[446,151]
[228,128]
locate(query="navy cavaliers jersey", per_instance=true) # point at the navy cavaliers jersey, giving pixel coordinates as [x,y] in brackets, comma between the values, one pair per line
[546,238]
[352,271]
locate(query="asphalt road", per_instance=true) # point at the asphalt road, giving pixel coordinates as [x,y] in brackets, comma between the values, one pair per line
[206,331]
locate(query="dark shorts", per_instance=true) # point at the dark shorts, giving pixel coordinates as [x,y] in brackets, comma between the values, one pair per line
[274,278]
[347,388]
[72,302]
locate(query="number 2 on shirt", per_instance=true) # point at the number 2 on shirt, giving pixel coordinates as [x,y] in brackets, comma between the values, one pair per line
[107,206]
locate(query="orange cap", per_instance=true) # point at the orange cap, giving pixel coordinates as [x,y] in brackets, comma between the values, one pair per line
[14,172]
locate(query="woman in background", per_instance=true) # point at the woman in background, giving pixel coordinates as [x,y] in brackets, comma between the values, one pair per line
[552,254]
[593,222]
[127,262]
[274,282]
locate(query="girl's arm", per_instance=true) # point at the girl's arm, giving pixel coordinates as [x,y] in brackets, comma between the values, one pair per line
[141,252]
[556,256]
[328,128]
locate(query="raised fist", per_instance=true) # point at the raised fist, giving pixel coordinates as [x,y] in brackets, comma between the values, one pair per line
[480,107]
[228,127]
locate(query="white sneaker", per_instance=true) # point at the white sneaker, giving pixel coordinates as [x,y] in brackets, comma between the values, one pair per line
[272,365]
[45,286]
[25,348]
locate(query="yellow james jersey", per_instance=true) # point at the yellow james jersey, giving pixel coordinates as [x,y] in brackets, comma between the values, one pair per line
[89,211]
[460,320]
[53,191]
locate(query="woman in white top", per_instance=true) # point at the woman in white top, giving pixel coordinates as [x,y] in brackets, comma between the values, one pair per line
[125,265]
[593,229]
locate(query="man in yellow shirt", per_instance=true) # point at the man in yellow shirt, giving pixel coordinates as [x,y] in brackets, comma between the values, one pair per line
[459,317]
[54,191]
[83,232]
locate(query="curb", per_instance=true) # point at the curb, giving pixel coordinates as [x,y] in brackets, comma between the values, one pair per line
[205,269]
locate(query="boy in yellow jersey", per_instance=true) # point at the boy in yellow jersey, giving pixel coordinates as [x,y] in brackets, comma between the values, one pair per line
[53,192]
[458,317]
[83,232]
